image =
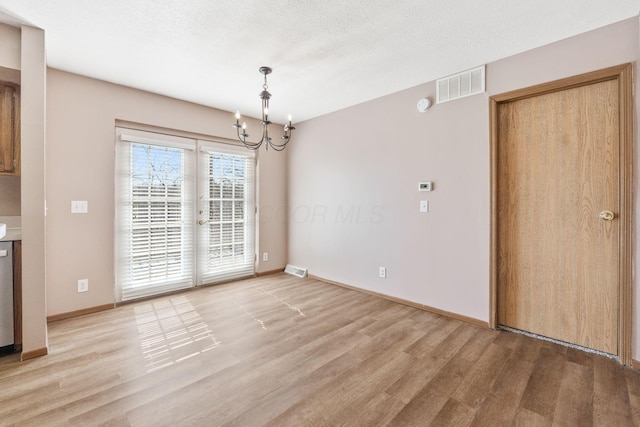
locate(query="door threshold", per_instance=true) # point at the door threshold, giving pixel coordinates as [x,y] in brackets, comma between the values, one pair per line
[555,341]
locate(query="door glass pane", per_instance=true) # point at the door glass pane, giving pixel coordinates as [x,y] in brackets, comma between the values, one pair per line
[226,240]
[155,216]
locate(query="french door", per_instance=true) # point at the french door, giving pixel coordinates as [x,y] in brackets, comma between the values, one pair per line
[184,213]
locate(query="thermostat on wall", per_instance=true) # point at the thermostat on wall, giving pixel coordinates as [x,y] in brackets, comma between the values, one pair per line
[425,186]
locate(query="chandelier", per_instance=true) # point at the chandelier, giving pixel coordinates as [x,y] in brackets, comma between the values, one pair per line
[266,139]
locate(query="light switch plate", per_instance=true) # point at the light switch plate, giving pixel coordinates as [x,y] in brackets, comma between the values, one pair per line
[79,206]
[83,285]
[424,206]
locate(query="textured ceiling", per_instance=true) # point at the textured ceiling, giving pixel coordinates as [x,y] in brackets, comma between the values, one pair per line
[326,54]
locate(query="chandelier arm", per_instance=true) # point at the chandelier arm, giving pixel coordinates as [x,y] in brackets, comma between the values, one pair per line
[248,144]
[278,147]
[275,146]
[287,137]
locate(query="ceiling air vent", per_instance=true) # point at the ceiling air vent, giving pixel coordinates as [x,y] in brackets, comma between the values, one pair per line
[296,271]
[460,85]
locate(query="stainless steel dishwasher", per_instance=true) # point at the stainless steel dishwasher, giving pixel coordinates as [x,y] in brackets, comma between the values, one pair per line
[6,296]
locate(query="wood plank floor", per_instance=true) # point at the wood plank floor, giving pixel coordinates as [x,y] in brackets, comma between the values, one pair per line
[283,351]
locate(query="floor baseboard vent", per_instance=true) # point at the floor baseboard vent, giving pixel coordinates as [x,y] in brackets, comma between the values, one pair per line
[296,271]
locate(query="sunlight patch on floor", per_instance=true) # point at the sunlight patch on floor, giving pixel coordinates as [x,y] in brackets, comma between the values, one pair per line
[170,331]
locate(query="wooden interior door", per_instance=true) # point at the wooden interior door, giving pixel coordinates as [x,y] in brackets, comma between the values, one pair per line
[558,259]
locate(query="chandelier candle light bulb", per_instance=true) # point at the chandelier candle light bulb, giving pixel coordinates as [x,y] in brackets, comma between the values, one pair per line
[288,128]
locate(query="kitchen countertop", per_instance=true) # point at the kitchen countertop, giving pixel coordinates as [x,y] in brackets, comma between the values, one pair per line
[14,228]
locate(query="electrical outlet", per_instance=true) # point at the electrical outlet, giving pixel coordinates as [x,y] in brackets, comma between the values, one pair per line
[83,285]
[265,256]
[382,272]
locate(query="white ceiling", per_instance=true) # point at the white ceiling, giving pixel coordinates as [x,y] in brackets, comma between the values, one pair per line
[326,54]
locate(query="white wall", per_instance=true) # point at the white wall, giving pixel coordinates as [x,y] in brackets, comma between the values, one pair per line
[10,48]
[82,114]
[10,196]
[368,160]
[22,60]
[32,117]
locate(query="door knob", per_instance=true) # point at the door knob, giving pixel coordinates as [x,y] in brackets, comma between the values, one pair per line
[607,215]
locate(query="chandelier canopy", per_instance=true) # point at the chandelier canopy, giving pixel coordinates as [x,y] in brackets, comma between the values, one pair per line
[266,139]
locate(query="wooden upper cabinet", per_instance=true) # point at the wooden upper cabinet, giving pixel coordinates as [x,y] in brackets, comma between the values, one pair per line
[9,129]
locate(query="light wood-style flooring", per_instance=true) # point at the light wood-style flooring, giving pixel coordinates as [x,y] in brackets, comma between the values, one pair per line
[283,351]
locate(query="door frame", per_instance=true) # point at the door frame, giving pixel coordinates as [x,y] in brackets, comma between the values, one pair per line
[623,74]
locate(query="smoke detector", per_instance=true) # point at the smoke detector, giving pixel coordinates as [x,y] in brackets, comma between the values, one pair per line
[424,104]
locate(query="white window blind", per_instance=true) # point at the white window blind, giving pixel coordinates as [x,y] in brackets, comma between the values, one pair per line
[227,240]
[155,183]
